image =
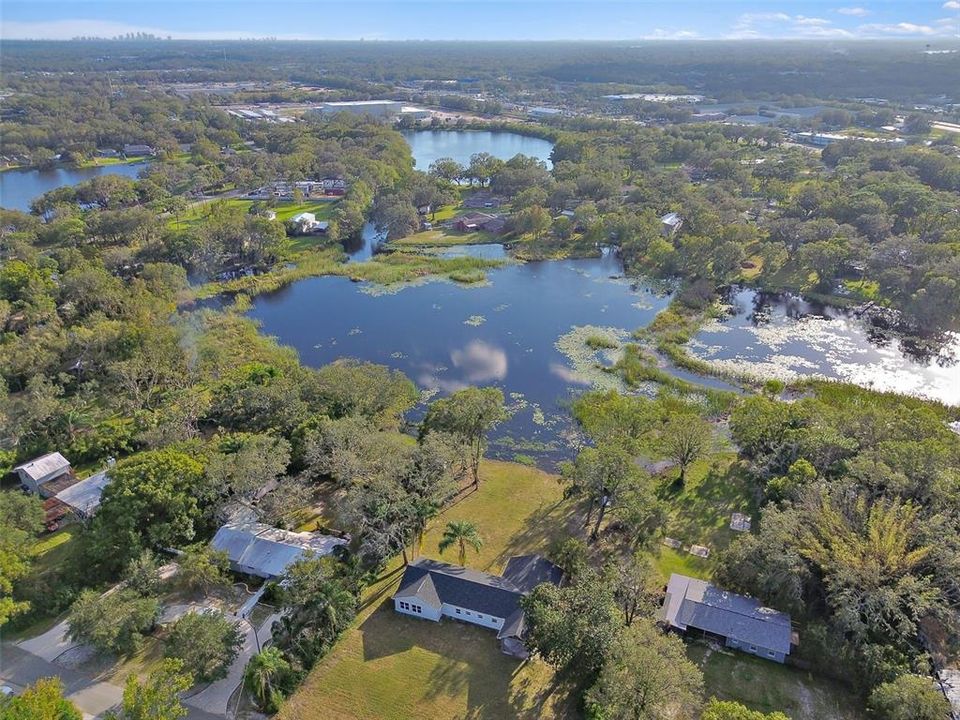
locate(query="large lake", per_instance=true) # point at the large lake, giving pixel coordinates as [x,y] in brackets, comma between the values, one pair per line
[446,337]
[429,145]
[518,331]
[19,187]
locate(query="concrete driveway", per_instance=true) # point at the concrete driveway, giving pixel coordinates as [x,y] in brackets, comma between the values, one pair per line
[215,697]
[20,668]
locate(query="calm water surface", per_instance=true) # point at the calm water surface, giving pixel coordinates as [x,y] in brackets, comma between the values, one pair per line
[428,145]
[446,337]
[19,187]
[788,337]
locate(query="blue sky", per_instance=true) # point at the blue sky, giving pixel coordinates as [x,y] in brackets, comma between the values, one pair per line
[484,19]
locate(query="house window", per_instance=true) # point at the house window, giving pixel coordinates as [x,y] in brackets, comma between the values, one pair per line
[404,606]
[416,608]
[753,648]
[771,654]
[479,616]
[458,611]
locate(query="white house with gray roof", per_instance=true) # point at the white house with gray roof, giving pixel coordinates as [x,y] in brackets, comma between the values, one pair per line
[432,590]
[696,607]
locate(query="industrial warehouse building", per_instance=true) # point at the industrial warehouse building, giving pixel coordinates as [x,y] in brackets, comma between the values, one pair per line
[388,109]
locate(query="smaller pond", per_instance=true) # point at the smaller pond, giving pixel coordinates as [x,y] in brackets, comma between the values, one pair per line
[787,337]
[18,188]
[429,145]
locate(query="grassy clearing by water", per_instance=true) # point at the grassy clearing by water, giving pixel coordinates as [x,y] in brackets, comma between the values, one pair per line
[445,238]
[699,512]
[392,667]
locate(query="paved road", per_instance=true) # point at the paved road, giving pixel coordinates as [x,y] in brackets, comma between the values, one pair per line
[19,668]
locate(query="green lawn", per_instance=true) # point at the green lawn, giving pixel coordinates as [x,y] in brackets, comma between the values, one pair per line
[445,238]
[699,513]
[51,550]
[105,161]
[323,209]
[767,686]
[387,666]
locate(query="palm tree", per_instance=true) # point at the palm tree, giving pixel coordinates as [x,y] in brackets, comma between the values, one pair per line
[423,512]
[461,533]
[264,675]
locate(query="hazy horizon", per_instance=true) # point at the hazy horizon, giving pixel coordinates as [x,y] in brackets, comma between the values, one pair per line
[523,21]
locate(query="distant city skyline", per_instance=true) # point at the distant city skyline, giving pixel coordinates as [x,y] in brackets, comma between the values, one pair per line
[479,20]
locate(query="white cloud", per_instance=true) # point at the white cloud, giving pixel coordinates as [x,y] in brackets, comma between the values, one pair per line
[779,25]
[952,5]
[901,28]
[661,34]
[854,11]
[811,21]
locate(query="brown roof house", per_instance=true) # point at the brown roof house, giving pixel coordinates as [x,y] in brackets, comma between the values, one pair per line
[471,222]
[432,590]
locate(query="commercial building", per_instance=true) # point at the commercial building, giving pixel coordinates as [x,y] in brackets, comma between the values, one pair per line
[387,109]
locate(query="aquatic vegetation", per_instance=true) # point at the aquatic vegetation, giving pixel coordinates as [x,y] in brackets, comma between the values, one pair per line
[538,417]
[591,366]
[601,342]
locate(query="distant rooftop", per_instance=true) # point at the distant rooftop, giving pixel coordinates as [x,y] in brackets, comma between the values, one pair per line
[344,103]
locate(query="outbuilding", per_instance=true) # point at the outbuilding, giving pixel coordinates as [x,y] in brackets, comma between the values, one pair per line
[46,475]
[83,497]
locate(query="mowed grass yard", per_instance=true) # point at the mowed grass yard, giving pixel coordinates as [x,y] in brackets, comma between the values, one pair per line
[699,513]
[767,686]
[392,667]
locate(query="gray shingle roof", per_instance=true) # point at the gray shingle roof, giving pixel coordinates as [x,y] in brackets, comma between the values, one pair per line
[692,603]
[528,571]
[421,588]
[470,589]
